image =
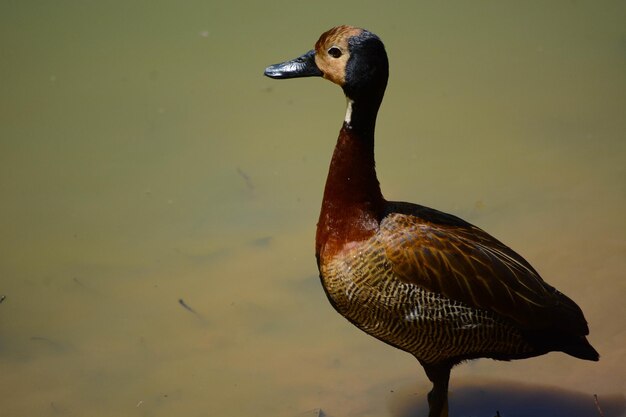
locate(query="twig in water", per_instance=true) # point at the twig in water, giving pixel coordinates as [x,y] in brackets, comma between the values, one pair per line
[191,310]
[595,400]
[246,178]
[182,303]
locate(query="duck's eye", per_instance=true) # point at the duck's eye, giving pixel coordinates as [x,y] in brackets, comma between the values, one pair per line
[334,52]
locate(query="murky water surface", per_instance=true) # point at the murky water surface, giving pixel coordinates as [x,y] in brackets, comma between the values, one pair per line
[144,160]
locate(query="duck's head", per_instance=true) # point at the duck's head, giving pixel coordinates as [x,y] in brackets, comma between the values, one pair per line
[352,58]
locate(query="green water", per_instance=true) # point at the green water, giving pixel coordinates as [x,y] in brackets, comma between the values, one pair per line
[145,159]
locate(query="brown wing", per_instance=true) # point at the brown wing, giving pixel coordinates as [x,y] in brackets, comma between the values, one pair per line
[444,254]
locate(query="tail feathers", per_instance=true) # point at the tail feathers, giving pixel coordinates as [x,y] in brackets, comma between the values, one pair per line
[574,345]
[581,350]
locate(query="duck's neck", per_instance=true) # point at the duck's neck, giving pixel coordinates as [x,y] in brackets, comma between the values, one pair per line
[353,204]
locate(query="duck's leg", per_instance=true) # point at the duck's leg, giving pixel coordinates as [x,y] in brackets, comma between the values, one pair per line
[439,375]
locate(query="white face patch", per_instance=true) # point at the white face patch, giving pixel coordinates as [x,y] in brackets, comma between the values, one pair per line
[348,111]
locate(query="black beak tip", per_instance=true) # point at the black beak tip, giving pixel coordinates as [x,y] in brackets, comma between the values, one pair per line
[303,66]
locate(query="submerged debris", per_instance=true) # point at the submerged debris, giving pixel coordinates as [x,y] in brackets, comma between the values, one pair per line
[192,311]
[249,185]
[261,241]
[49,343]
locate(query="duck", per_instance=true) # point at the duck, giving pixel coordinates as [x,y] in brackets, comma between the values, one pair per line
[418,279]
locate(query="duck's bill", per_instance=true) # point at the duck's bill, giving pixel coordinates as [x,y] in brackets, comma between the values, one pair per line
[303,66]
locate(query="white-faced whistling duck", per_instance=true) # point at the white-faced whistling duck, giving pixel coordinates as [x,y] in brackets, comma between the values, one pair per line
[418,279]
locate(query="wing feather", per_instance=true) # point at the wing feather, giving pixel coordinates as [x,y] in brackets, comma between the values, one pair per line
[444,254]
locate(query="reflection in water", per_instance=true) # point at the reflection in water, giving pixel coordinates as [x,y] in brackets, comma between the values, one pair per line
[511,399]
